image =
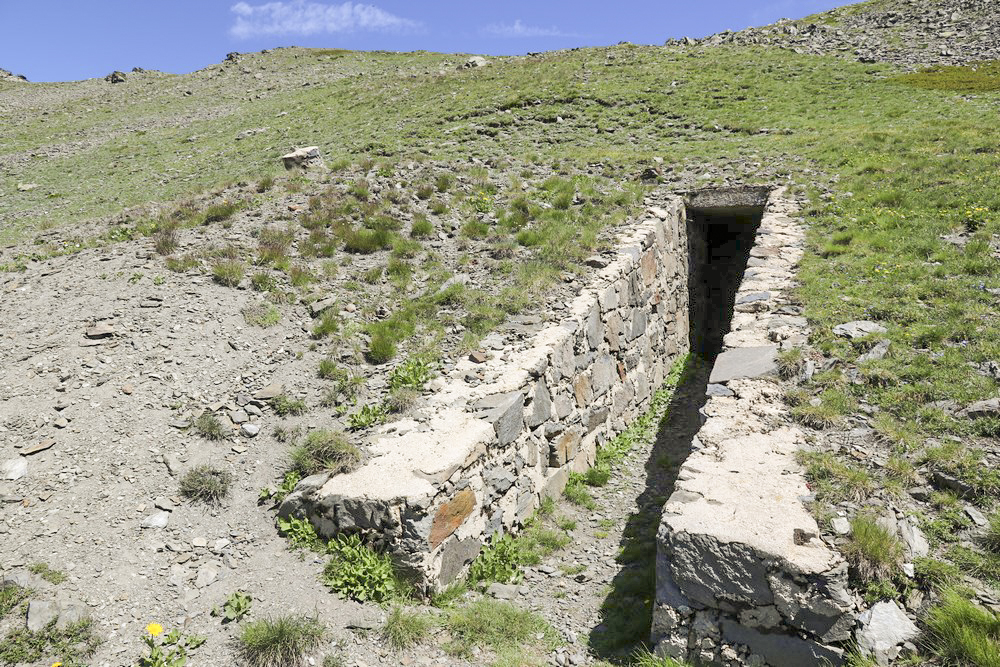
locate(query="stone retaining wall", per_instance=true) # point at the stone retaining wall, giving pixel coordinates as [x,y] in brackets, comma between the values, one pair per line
[478,459]
[742,576]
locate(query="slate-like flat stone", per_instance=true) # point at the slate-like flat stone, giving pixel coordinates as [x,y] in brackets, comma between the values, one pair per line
[744,362]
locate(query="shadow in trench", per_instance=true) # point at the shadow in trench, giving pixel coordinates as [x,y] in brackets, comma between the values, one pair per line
[627,610]
[720,238]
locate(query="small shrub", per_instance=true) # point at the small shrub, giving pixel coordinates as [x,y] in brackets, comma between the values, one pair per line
[280,642]
[206,483]
[499,561]
[324,451]
[875,552]
[357,571]
[405,628]
[424,192]
[262,315]
[300,533]
[228,272]
[209,427]
[439,207]
[599,475]
[421,227]
[960,632]
[284,405]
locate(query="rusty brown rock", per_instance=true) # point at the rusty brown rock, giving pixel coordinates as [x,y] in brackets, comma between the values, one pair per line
[451,515]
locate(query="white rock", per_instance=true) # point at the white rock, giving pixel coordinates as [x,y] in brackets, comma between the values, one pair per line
[840,525]
[14,469]
[883,628]
[249,430]
[158,520]
[206,575]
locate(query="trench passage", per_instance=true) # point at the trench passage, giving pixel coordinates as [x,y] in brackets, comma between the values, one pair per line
[719,244]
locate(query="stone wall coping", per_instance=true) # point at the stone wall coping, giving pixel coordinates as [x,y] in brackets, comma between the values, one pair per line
[409,459]
[731,492]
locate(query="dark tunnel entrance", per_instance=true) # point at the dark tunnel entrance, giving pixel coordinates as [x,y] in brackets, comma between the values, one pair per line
[721,225]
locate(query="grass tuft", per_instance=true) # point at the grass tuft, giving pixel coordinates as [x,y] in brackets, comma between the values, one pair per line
[279,642]
[405,628]
[324,451]
[962,633]
[206,483]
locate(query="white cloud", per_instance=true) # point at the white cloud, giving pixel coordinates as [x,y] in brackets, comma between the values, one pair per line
[298,17]
[518,29]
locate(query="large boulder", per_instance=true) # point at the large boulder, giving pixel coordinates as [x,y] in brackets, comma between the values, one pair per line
[303,158]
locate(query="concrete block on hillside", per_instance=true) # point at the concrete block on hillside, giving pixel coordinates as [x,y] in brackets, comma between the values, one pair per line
[745,362]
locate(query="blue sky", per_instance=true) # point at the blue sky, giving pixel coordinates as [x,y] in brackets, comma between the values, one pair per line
[64,40]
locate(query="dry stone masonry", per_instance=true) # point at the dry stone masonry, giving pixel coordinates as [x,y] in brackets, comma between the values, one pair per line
[742,576]
[478,461]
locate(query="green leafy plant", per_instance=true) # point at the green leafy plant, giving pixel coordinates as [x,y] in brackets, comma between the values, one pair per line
[413,373]
[11,595]
[366,416]
[498,561]
[300,533]
[236,606]
[170,651]
[357,571]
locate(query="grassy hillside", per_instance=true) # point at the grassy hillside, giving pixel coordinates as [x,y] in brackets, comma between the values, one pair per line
[901,172]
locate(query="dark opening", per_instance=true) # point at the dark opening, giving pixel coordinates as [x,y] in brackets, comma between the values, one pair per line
[721,225]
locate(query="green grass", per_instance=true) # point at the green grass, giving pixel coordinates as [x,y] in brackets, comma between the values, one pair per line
[206,483]
[404,628]
[974,78]
[228,273]
[263,315]
[284,405]
[496,625]
[70,646]
[323,451]
[208,426]
[962,633]
[48,573]
[874,552]
[11,595]
[279,642]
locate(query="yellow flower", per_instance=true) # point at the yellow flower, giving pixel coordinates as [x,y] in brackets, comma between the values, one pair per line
[56,664]
[154,629]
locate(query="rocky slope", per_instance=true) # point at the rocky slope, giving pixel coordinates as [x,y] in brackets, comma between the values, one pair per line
[910,33]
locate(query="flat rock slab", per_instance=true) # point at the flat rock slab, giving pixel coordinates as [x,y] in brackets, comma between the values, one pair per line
[744,362]
[858,329]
